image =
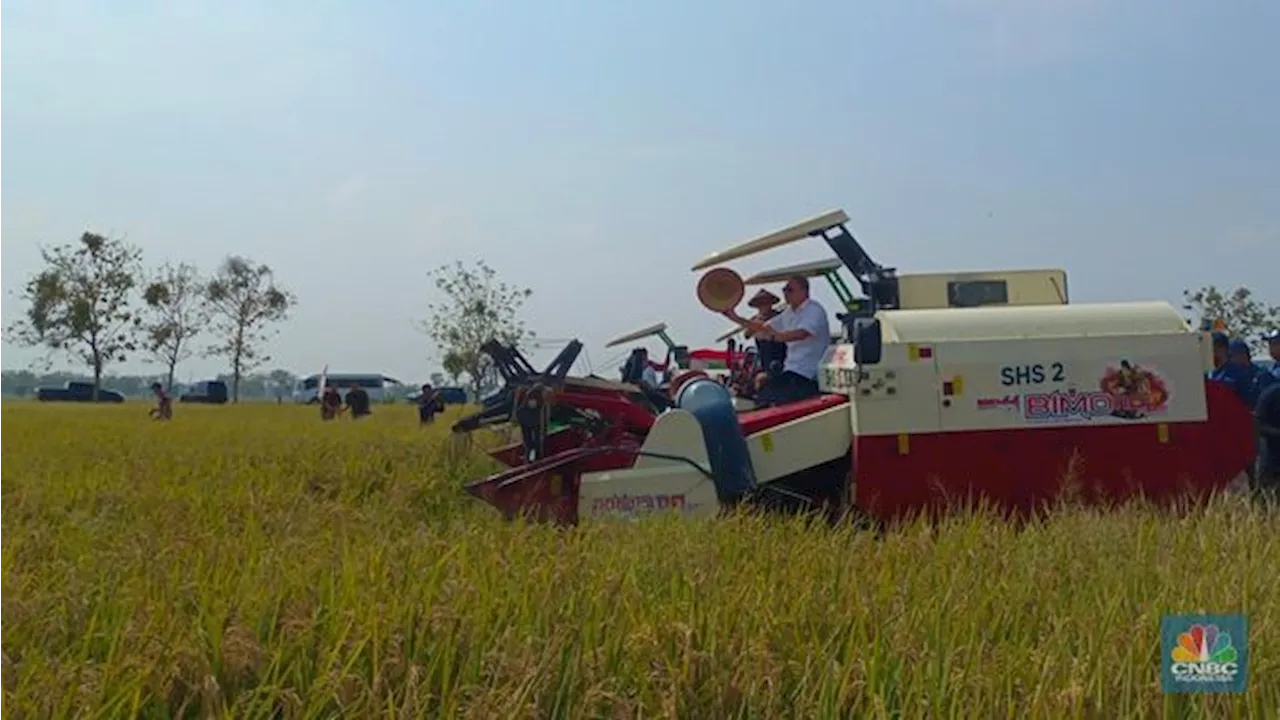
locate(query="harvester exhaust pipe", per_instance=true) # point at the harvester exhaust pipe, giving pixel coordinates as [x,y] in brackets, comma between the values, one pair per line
[712,406]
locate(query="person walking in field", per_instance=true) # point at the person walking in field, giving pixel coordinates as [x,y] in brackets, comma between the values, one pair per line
[428,405]
[164,404]
[330,403]
[358,402]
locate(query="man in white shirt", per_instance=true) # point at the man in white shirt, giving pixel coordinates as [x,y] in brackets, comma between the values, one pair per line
[804,327]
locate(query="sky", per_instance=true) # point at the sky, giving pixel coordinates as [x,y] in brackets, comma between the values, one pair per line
[594,151]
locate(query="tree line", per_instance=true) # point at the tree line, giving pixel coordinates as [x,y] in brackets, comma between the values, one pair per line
[96,303]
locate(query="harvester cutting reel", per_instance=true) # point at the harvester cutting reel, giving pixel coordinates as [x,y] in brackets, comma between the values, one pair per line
[527,396]
[539,403]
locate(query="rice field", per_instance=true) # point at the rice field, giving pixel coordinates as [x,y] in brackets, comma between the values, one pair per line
[255,562]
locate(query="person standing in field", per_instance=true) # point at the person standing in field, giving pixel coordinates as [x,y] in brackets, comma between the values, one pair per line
[428,405]
[358,401]
[1267,415]
[330,403]
[164,404]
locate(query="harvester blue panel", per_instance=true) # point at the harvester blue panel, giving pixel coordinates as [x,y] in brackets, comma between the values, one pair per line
[712,405]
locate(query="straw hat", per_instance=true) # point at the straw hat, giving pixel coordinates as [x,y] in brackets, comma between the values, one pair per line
[763,299]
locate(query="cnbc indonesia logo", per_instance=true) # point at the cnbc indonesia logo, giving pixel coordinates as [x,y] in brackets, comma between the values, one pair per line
[1204,655]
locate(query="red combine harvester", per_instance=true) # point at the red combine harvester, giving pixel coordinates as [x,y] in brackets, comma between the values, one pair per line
[1002,401]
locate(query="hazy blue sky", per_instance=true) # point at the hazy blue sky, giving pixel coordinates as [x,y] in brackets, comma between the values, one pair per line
[594,151]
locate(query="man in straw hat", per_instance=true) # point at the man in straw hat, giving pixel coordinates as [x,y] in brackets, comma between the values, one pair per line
[803,327]
[771,354]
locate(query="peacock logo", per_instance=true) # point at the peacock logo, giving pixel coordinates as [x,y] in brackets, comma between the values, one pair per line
[1204,653]
[1204,644]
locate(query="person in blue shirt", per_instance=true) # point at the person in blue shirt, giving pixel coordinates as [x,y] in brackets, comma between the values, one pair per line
[1239,373]
[1267,416]
[1272,375]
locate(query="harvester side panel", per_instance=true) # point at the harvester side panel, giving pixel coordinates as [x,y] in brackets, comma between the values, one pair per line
[1018,469]
[793,444]
[1007,384]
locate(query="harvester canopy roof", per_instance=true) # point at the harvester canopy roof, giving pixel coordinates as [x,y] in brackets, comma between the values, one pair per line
[1006,322]
[778,238]
[641,333]
[810,269]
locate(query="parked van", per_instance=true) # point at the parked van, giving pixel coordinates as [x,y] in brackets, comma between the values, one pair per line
[375,385]
[213,392]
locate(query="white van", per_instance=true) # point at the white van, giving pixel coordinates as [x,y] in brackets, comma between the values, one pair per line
[374,384]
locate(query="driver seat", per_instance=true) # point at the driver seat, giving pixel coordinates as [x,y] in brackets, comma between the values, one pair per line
[633,374]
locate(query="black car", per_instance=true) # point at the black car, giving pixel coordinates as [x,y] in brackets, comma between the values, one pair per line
[447,395]
[77,391]
[211,392]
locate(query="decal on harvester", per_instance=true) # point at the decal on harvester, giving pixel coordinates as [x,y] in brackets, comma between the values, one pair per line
[837,379]
[1036,374]
[1126,391]
[632,503]
[1136,390]
[919,352]
[1009,402]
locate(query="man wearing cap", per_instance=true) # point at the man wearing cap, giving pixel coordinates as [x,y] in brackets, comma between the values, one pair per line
[1239,373]
[804,327]
[1273,349]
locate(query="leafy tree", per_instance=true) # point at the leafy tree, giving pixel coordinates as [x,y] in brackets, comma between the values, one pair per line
[478,308]
[1244,315]
[176,313]
[453,366]
[80,303]
[243,300]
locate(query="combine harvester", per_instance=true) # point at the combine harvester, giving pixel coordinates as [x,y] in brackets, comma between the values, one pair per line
[715,363]
[1004,400]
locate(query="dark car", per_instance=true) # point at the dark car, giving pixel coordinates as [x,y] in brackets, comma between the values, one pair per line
[447,395]
[77,391]
[212,392]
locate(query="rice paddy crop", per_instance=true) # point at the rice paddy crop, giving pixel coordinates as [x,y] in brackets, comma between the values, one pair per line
[253,561]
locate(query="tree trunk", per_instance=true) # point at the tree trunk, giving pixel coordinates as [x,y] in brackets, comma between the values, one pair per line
[97,376]
[236,354]
[169,387]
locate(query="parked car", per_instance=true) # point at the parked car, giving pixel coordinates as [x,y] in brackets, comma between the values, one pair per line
[213,392]
[77,391]
[448,395]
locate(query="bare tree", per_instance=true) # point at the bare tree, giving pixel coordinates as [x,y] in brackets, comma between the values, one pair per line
[80,303]
[176,313]
[243,300]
